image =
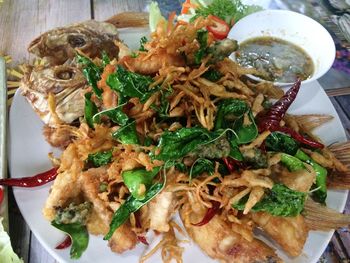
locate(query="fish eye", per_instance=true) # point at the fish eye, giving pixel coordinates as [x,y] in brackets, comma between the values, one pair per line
[76,41]
[65,74]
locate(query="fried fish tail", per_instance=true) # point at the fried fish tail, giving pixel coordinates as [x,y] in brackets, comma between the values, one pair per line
[218,241]
[289,232]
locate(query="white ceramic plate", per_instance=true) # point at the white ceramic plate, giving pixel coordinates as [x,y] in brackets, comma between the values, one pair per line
[28,156]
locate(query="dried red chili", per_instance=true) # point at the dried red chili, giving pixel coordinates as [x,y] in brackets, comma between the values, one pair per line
[65,243]
[211,212]
[143,240]
[32,181]
[271,119]
[233,164]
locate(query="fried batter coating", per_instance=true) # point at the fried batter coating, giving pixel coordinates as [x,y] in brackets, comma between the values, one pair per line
[123,238]
[218,240]
[161,209]
[289,232]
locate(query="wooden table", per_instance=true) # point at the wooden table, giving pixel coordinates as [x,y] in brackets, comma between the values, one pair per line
[23,20]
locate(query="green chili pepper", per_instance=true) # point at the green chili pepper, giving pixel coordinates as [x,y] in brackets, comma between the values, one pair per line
[131,205]
[292,163]
[79,236]
[321,177]
[134,179]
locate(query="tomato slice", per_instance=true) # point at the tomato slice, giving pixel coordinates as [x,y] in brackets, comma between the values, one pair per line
[219,29]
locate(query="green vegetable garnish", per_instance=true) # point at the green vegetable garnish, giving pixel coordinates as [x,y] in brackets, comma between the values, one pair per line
[116,115]
[212,75]
[79,236]
[127,134]
[280,142]
[202,38]
[91,72]
[175,145]
[292,163]
[320,194]
[228,111]
[143,41]
[99,159]
[228,10]
[139,180]
[131,205]
[279,201]
[245,133]
[131,85]
[105,59]
[90,111]
[200,166]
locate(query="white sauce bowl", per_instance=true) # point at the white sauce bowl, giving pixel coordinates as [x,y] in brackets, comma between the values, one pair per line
[293,27]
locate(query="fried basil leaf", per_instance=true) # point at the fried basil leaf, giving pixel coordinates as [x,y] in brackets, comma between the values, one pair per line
[202,38]
[99,159]
[212,75]
[143,41]
[90,110]
[92,73]
[201,166]
[131,85]
[245,133]
[280,142]
[229,110]
[116,115]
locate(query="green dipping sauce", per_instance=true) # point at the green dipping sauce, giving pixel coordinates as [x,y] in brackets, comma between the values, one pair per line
[277,59]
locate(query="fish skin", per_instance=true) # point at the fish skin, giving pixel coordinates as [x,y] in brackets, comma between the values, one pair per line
[90,37]
[66,83]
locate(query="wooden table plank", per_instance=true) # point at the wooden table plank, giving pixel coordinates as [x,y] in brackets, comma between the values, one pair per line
[103,9]
[22,21]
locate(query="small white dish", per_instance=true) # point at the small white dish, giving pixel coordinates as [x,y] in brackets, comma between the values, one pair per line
[296,28]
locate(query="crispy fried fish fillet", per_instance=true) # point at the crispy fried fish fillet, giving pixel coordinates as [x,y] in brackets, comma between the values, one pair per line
[123,238]
[160,210]
[218,240]
[66,187]
[289,232]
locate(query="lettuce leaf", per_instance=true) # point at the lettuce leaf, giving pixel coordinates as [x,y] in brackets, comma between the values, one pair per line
[155,16]
[6,252]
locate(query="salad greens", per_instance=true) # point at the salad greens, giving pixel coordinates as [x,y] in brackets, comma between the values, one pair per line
[228,10]
[155,16]
[6,251]
[279,201]
[79,236]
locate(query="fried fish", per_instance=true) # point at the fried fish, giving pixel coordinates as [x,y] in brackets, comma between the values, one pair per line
[90,37]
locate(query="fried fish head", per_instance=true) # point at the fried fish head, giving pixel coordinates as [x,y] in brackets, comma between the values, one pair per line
[65,83]
[90,37]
